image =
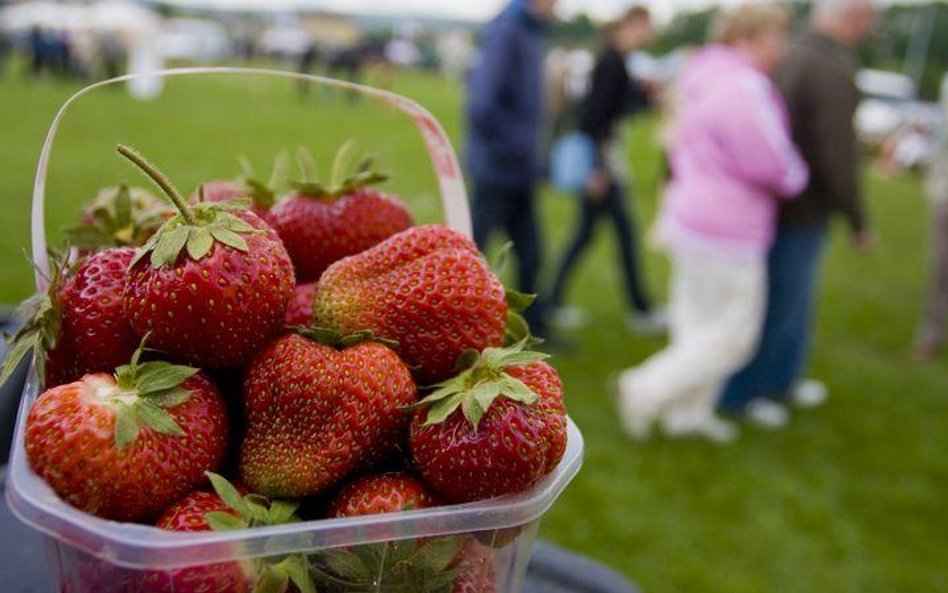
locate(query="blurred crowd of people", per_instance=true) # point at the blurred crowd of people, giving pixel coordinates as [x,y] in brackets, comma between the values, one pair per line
[59,53]
[762,155]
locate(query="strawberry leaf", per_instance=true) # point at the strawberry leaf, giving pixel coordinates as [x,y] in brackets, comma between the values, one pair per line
[16,355]
[200,243]
[435,555]
[126,426]
[346,564]
[154,377]
[224,521]
[519,301]
[516,390]
[236,224]
[297,569]
[467,359]
[517,328]
[258,507]
[229,238]
[170,399]
[282,511]
[229,494]
[168,246]
[441,409]
[157,418]
[485,394]
[271,580]
[472,410]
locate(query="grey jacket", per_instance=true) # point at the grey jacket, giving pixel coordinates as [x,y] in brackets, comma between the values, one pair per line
[818,82]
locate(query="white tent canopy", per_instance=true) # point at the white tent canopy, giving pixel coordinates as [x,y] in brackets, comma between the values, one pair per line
[104,16]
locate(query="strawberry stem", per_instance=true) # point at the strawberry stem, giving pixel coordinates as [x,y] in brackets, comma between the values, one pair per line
[160,180]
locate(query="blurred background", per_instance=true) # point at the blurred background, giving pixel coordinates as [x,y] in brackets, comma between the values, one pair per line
[847,498]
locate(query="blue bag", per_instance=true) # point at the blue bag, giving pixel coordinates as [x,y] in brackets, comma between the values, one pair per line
[572,161]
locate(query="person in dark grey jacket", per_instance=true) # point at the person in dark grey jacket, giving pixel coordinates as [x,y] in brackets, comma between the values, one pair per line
[613,95]
[818,82]
[504,111]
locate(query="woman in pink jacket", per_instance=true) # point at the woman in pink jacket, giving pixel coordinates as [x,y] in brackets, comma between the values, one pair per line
[731,158]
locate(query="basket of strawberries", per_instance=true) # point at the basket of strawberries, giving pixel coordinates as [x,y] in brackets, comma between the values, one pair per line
[255,389]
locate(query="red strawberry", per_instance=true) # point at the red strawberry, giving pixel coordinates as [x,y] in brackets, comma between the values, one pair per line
[496,428]
[228,508]
[78,326]
[427,288]
[214,288]
[124,447]
[299,311]
[118,216]
[382,493]
[315,414]
[321,225]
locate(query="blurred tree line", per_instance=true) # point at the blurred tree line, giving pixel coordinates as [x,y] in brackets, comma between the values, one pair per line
[899,26]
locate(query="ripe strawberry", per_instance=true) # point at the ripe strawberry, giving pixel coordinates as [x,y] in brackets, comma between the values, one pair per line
[381,493]
[214,288]
[120,216]
[427,288]
[315,414]
[320,225]
[228,508]
[78,326]
[124,447]
[299,311]
[496,428]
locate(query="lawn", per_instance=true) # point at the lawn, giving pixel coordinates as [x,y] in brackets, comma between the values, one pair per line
[849,498]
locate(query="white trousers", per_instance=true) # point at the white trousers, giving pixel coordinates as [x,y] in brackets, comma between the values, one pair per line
[716,313]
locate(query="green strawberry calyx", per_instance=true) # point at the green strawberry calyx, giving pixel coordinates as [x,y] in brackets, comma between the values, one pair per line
[248,511]
[253,510]
[264,193]
[336,339]
[193,228]
[404,566]
[42,321]
[340,183]
[120,216]
[482,381]
[143,394]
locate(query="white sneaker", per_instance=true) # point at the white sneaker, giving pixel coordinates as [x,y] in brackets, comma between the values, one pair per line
[809,393]
[713,428]
[653,323]
[767,413]
[569,318]
[636,412]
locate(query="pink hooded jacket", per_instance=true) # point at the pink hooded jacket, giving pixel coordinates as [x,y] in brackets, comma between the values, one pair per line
[731,155]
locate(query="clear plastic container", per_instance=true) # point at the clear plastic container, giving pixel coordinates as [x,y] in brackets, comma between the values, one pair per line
[92,555]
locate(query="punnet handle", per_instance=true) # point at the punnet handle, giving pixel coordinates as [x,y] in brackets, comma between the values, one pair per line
[443,158]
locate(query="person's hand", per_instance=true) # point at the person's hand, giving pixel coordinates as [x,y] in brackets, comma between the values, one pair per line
[597,186]
[865,241]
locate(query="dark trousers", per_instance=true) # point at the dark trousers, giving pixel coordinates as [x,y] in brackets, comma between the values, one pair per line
[612,206]
[512,209]
[793,271]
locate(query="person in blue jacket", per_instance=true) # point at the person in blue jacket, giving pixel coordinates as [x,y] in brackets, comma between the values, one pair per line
[504,112]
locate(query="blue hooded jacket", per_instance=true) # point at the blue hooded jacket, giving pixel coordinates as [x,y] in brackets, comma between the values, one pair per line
[505,100]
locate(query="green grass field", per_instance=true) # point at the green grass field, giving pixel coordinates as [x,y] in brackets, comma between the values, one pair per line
[851,498]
